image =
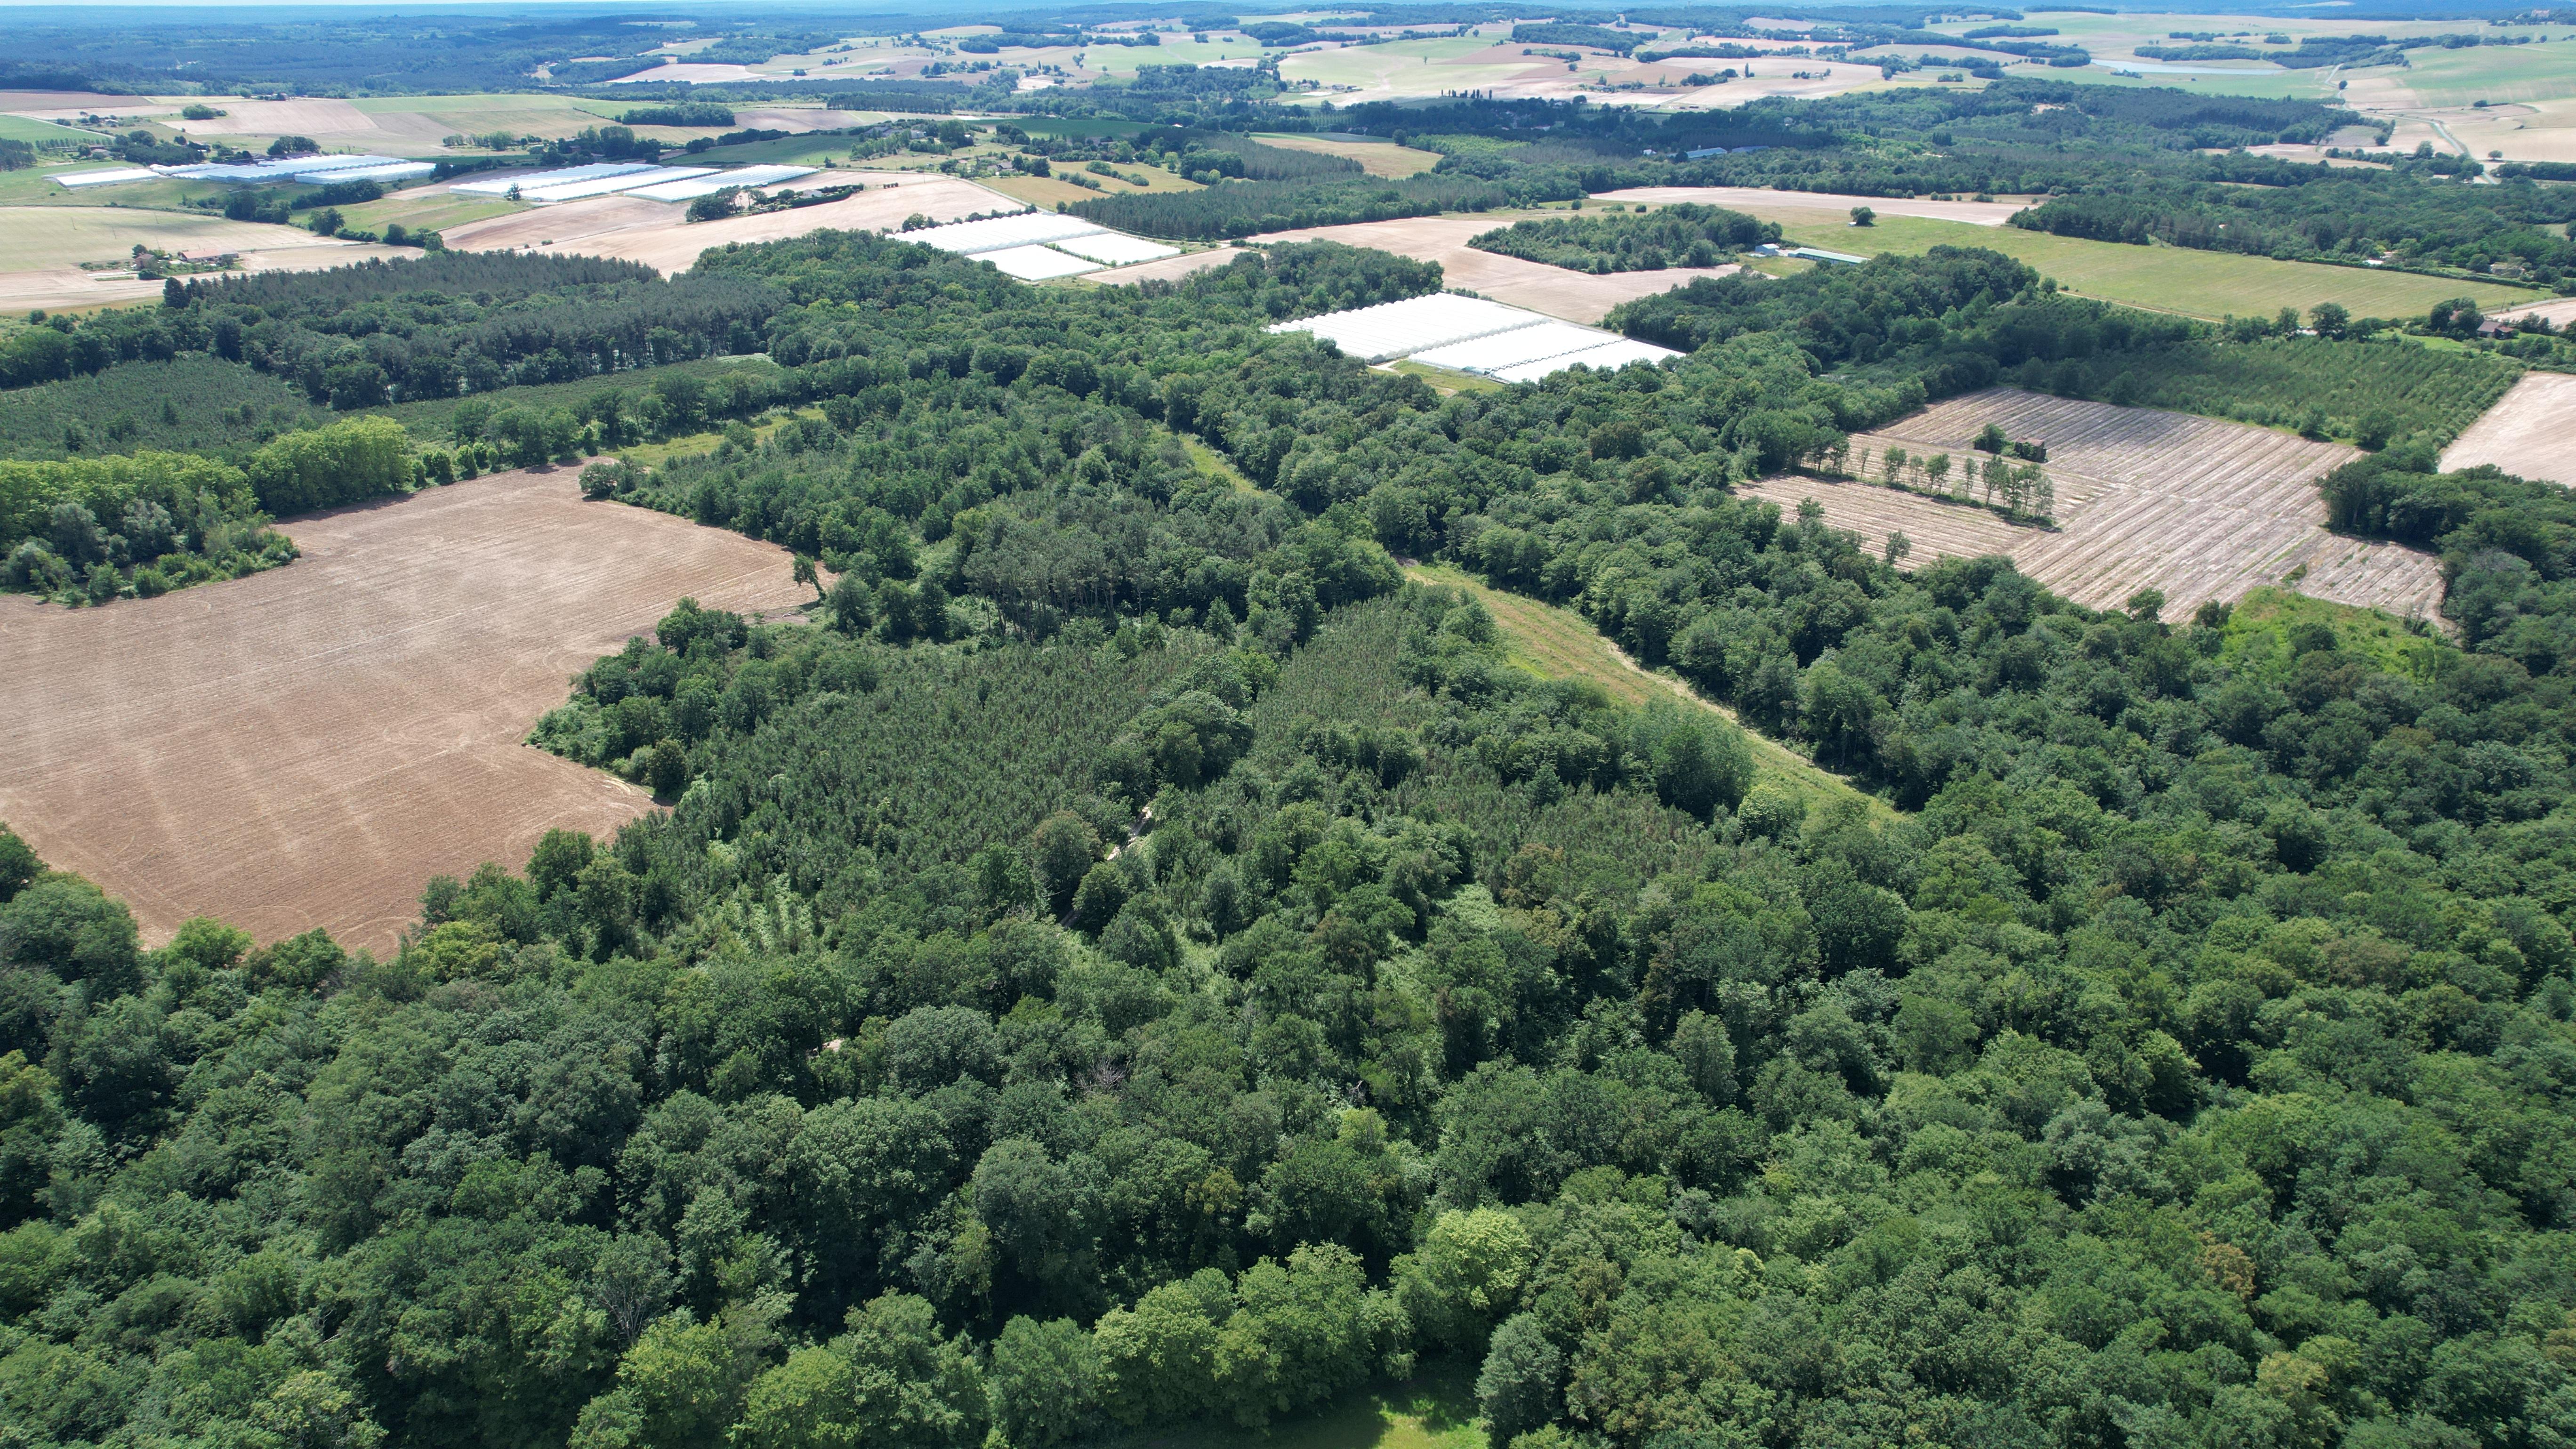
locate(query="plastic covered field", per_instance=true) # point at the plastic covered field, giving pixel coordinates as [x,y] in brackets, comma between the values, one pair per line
[1614,355]
[1416,324]
[118,177]
[604,185]
[1518,347]
[691,188]
[1115,248]
[1027,228]
[295,168]
[1036,263]
[526,182]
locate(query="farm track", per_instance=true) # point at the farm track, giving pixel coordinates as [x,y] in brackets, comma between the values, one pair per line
[307,746]
[2197,508]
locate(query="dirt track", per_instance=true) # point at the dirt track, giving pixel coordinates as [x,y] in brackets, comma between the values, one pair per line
[307,746]
[2528,432]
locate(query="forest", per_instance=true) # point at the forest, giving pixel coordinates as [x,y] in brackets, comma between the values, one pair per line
[1135,963]
[1683,235]
[1140,963]
[449,323]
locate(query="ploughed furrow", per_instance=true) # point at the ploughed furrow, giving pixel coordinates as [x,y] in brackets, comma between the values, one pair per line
[1935,529]
[2196,508]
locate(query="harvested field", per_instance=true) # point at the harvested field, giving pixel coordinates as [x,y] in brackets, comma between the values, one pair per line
[1169,269]
[656,233]
[306,747]
[1556,291]
[2198,508]
[35,237]
[2531,431]
[1377,158]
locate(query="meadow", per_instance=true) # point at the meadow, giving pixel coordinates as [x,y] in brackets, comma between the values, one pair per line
[2165,279]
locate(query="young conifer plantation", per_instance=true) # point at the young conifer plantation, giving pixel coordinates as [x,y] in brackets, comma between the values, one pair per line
[1135,964]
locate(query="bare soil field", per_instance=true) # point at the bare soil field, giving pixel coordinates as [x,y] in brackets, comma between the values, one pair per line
[41,247]
[2531,431]
[1168,269]
[306,747]
[2198,508]
[1556,291]
[658,234]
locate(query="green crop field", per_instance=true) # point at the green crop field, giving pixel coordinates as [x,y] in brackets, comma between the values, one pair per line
[2169,279]
[2493,73]
[34,132]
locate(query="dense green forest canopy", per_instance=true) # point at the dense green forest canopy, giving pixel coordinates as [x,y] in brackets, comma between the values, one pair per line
[1682,235]
[1135,962]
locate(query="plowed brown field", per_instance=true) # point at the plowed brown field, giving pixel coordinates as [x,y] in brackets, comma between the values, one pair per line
[2198,508]
[307,746]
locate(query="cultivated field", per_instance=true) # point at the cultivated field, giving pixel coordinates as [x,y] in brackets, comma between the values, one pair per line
[1556,291]
[40,247]
[2198,508]
[2531,431]
[660,236]
[307,746]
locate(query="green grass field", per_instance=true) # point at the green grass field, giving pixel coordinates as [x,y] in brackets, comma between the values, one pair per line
[2169,279]
[1556,643]
[2493,73]
[37,187]
[37,133]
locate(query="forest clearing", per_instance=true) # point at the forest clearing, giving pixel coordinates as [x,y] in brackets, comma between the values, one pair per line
[2198,508]
[304,747]
[2531,431]
[1556,643]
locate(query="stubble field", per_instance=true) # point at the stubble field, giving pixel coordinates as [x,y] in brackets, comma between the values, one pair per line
[307,746]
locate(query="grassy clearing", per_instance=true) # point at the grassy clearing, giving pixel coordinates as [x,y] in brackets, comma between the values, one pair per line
[1557,643]
[2165,279]
[1446,380]
[2258,633]
[1436,1409]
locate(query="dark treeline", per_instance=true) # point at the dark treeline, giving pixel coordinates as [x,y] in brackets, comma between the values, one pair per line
[448,324]
[2350,217]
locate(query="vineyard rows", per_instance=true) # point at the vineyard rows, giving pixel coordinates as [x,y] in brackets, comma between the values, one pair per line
[2198,508]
